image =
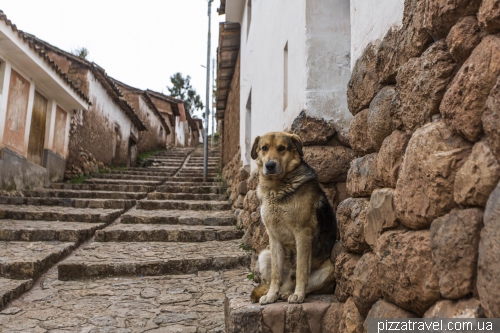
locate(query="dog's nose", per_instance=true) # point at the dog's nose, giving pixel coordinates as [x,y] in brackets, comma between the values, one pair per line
[271,165]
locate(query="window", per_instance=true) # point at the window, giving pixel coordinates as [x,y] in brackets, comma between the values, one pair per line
[285,77]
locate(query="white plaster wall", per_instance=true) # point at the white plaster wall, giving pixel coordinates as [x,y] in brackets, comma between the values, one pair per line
[328,37]
[370,21]
[108,108]
[4,97]
[318,35]
[273,24]
[182,132]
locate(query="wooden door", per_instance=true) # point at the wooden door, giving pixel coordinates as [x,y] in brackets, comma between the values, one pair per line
[37,130]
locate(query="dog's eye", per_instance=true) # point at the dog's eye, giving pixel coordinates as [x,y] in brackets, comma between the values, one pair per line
[281,148]
[264,148]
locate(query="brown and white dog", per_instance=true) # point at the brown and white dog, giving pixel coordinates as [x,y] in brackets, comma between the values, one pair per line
[299,221]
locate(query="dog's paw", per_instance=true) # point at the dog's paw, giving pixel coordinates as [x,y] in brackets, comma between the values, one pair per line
[284,296]
[294,299]
[267,299]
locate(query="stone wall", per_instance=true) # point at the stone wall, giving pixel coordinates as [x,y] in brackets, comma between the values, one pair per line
[231,125]
[417,231]
[415,185]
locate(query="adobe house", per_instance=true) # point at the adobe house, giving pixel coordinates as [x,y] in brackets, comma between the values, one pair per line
[158,130]
[173,111]
[109,133]
[37,101]
[199,125]
[195,136]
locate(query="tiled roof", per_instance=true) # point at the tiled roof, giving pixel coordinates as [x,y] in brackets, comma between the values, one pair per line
[38,50]
[113,91]
[173,101]
[148,100]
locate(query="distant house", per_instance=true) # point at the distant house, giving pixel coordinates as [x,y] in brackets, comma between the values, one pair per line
[173,109]
[109,133]
[37,102]
[195,135]
[158,129]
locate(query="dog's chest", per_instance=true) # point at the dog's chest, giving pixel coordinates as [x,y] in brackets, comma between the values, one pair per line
[277,221]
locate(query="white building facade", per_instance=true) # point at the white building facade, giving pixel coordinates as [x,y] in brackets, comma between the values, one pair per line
[297,55]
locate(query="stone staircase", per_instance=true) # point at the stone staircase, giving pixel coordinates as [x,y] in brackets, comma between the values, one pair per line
[156,250]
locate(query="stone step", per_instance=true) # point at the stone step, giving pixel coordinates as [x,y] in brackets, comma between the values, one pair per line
[69,214]
[70,202]
[189,179]
[316,314]
[27,260]
[143,172]
[183,205]
[99,259]
[34,231]
[181,183]
[102,187]
[210,218]
[155,171]
[128,177]
[121,181]
[195,173]
[11,289]
[166,233]
[52,193]
[197,189]
[185,196]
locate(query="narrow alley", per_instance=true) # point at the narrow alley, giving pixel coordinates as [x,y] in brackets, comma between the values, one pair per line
[165,251]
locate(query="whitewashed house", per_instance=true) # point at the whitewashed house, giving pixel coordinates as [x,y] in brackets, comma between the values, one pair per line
[37,102]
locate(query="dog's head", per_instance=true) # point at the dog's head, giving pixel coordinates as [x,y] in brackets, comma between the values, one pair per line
[277,153]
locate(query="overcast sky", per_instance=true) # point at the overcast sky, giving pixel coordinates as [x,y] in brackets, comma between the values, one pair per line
[141,43]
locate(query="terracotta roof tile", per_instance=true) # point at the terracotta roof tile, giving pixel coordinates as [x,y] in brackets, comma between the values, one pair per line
[38,50]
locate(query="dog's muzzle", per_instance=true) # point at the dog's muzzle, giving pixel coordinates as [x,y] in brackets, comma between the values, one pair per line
[270,168]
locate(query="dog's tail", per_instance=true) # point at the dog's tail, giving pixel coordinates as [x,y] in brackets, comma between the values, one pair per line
[259,291]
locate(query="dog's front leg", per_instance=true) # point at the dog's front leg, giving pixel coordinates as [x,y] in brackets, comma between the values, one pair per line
[277,259]
[304,248]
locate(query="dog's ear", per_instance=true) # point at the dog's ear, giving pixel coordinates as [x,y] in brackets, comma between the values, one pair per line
[297,142]
[255,147]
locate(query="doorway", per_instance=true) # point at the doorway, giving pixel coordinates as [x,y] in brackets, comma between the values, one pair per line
[36,141]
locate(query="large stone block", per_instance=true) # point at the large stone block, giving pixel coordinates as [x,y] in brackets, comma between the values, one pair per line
[358,134]
[312,131]
[489,15]
[332,318]
[365,283]
[380,215]
[406,271]
[399,45]
[491,119]
[351,216]
[464,308]
[344,268]
[454,242]
[362,176]
[464,37]
[351,321]
[421,83]
[364,83]
[464,101]
[425,187]
[390,157]
[384,309]
[379,116]
[330,163]
[488,269]
[441,15]
[477,178]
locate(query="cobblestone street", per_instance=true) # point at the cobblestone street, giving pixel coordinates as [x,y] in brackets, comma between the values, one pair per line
[135,250]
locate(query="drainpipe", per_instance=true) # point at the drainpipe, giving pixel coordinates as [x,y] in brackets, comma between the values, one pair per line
[207,106]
